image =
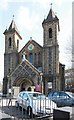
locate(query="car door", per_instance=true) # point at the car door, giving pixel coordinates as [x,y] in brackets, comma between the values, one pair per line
[68,100]
[55,96]
[19,98]
[26,101]
[64,98]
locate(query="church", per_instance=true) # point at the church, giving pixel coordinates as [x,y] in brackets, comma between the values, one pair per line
[34,67]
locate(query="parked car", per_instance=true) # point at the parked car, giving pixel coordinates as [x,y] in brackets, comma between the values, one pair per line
[62,98]
[35,103]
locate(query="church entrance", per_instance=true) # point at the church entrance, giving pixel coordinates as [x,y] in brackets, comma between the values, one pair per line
[25,77]
[26,86]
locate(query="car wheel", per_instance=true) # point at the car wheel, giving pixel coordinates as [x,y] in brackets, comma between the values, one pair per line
[29,111]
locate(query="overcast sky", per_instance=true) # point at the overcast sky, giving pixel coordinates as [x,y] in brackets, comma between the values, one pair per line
[28,16]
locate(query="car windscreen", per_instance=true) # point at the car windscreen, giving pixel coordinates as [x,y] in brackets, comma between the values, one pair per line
[70,94]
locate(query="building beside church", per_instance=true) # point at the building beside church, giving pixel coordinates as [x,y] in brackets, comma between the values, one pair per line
[34,65]
[69,79]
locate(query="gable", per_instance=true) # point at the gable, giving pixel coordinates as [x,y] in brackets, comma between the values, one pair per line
[25,70]
[30,46]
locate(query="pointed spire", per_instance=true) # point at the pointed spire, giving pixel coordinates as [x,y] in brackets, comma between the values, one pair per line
[13,28]
[13,17]
[51,5]
[51,16]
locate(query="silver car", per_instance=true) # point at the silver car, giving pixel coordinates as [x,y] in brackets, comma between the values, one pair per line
[62,98]
[35,103]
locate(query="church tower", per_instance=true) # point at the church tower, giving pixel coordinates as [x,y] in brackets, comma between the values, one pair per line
[12,38]
[51,49]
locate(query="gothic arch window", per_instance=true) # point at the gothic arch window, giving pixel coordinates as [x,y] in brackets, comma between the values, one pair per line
[10,41]
[35,57]
[39,57]
[50,60]
[50,33]
[31,58]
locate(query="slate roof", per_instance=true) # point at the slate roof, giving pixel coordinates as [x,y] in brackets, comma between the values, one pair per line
[29,42]
[12,28]
[51,17]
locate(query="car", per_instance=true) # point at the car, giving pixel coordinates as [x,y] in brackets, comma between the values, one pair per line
[62,98]
[35,103]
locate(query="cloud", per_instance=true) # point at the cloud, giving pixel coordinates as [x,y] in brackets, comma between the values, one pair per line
[4,4]
[26,19]
[44,3]
[58,2]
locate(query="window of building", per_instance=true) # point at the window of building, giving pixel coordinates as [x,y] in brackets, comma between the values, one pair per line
[50,33]
[50,60]
[10,41]
[31,58]
[26,56]
[35,57]
[39,57]
[50,56]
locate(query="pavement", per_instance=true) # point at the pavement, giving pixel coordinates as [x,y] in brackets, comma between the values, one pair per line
[4,115]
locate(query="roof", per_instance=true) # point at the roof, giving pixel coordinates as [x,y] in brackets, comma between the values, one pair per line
[51,17]
[25,70]
[29,42]
[12,28]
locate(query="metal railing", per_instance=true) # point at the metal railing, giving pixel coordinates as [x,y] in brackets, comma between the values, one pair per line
[8,109]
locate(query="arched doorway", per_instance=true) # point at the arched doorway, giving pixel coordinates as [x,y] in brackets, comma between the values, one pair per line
[24,84]
[29,89]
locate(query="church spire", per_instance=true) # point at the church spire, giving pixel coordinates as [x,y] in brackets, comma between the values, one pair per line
[51,16]
[13,28]
[51,5]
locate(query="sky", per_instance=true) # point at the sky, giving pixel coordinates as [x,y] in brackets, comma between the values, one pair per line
[28,16]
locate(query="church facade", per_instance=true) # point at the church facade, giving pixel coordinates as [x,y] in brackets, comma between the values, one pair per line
[34,66]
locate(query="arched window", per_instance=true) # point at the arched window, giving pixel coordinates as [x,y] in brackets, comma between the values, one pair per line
[10,41]
[35,57]
[39,58]
[50,33]
[17,44]
[31,58]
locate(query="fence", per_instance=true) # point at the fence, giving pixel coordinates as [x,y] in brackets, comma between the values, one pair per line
[8,110]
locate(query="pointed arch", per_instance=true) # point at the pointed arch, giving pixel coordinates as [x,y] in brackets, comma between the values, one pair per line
[10,41]
[50,32]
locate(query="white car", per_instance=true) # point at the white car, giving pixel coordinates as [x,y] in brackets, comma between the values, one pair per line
[35,103]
